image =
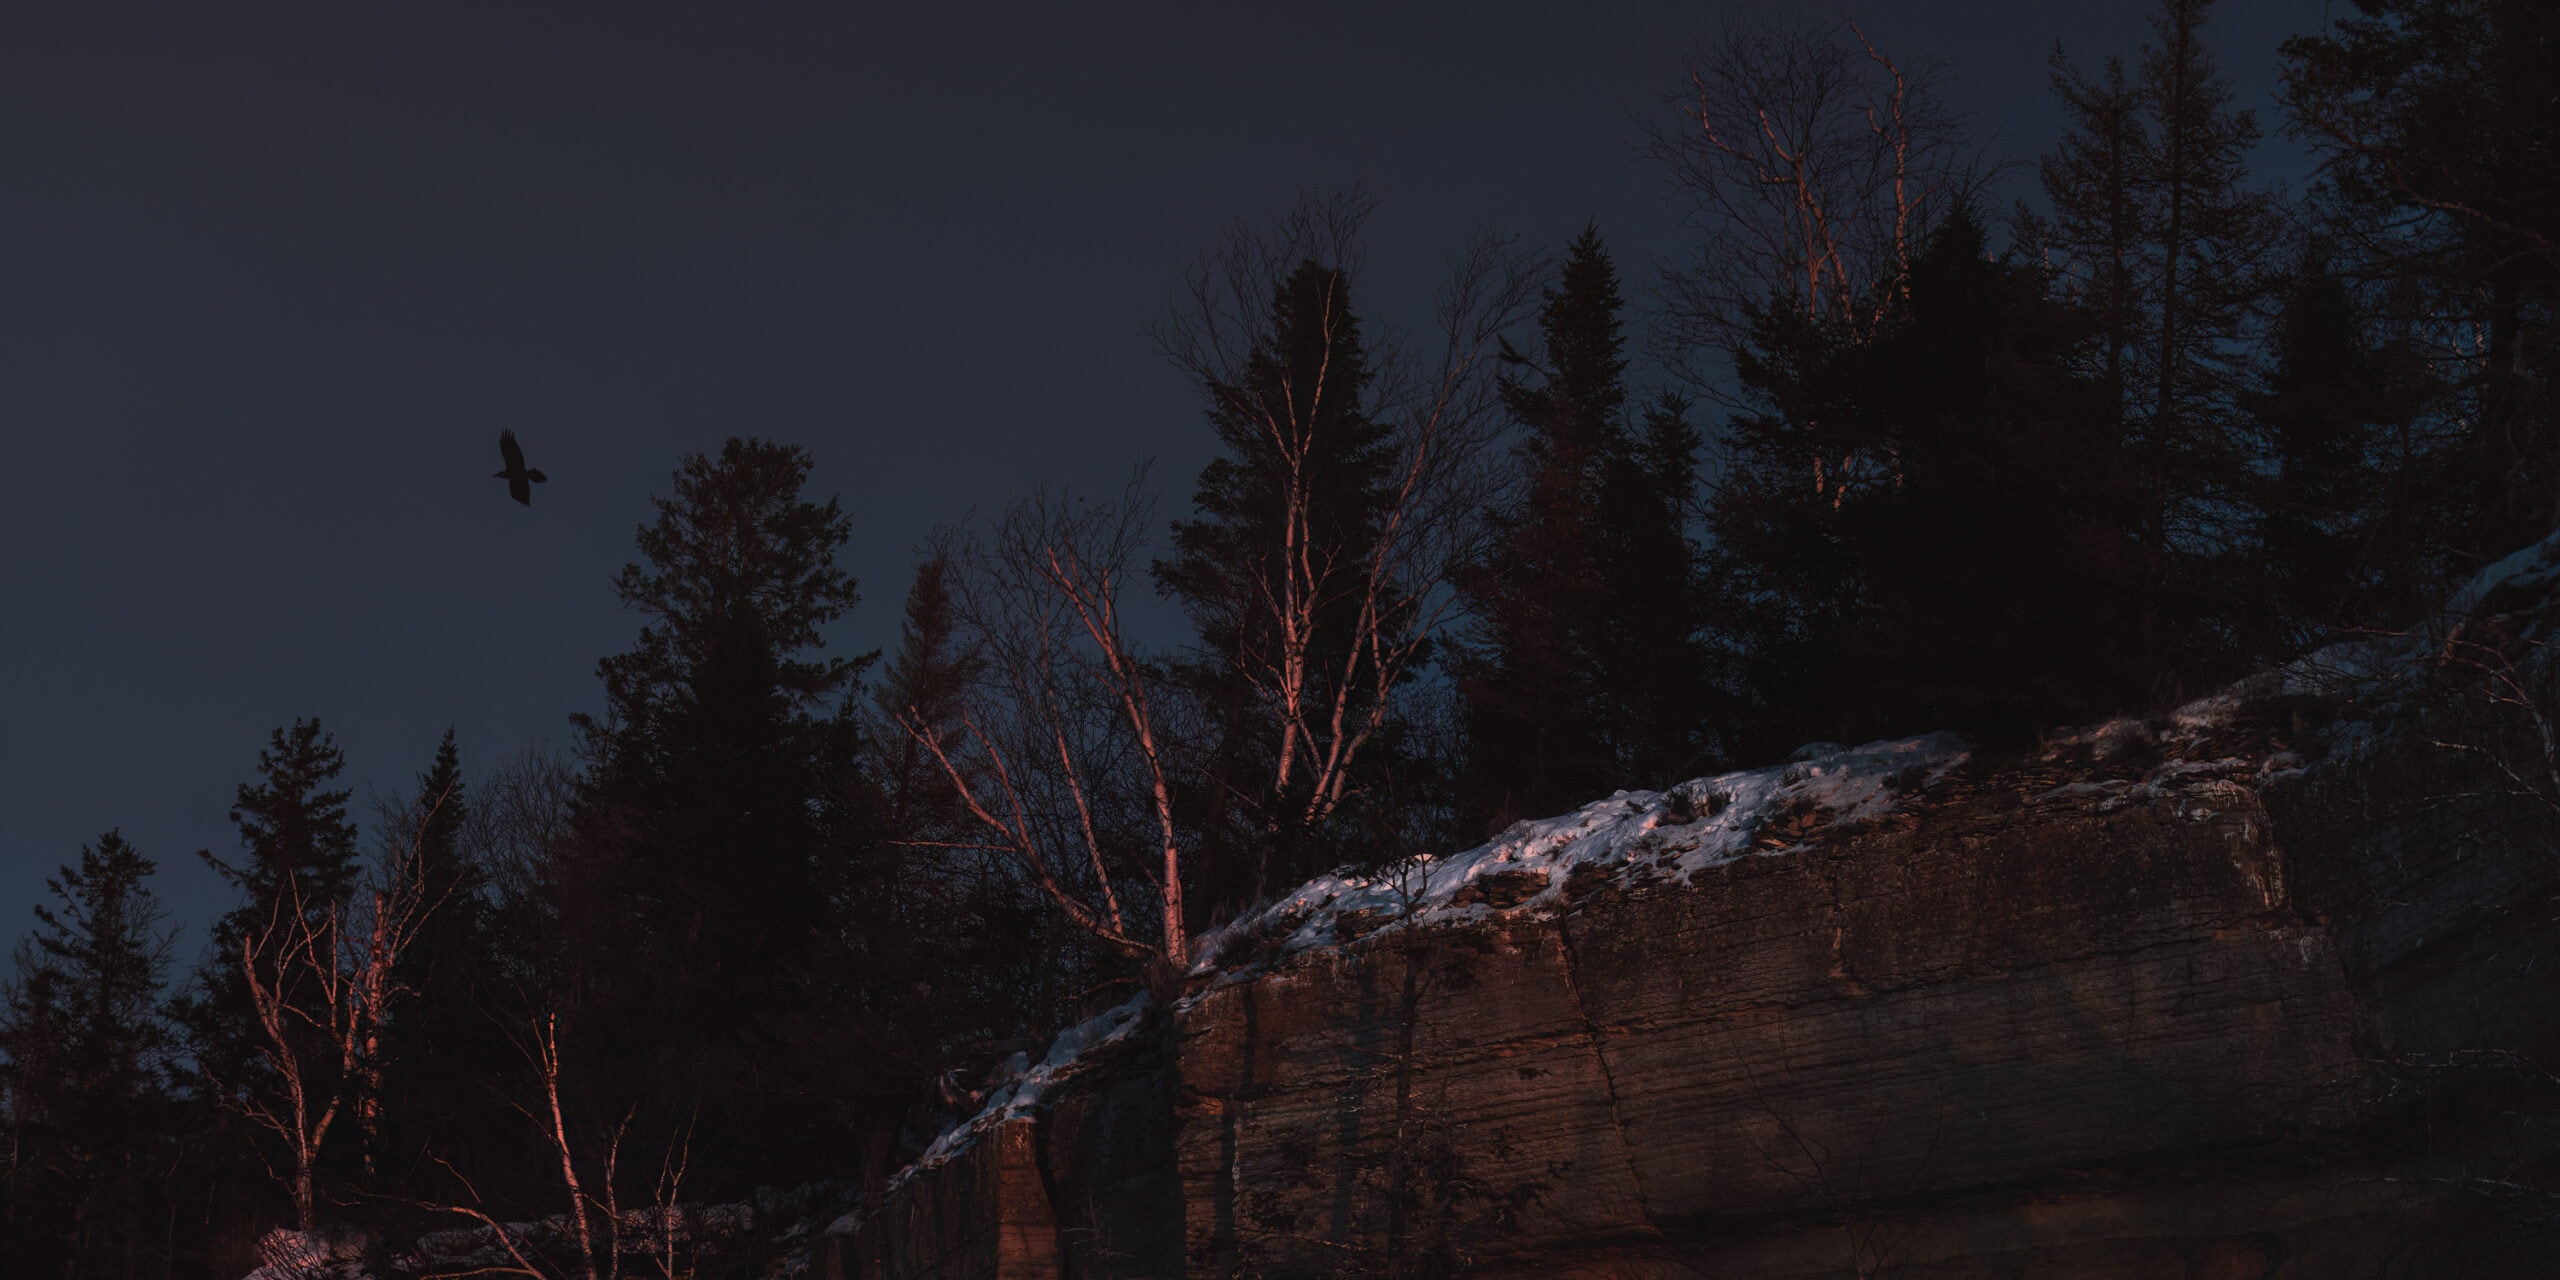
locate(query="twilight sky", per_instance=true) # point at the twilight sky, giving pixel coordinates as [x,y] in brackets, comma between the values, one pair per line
[273,277]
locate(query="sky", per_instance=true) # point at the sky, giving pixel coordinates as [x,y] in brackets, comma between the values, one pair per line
[272,278]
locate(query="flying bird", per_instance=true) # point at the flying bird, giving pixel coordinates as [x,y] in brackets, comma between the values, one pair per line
[520,478]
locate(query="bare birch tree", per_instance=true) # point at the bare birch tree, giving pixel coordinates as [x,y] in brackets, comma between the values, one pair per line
[1367,464]
[1058,758]
[320,984]
[1065,756]
[1812,164]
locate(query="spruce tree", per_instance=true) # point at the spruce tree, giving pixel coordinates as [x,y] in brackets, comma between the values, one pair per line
[2340,536]
[301,848]
[1537,737]
[2091,226]
[2154,221]
[713,902]
[439,1048]
[88,1044]
[1656,676]
[1793,470]
[2440,185]
[1993,552]
[1928,526]
[1586,672]
[988,957]
[293,825]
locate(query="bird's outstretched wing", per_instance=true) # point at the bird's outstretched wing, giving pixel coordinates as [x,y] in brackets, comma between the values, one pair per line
[519,490]
[510,451]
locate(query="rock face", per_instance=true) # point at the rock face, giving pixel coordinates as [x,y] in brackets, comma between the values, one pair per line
[2056,1018]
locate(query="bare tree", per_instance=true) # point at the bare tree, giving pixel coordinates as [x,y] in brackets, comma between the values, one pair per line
[520,816]
[1063,757]
[1327,622]
[319,985]
[1060,747]
[1812,163]
[2499,705]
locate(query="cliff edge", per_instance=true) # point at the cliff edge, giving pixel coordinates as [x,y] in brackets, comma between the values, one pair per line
[2261,988]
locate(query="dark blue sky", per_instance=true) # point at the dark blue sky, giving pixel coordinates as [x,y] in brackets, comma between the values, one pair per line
[271,280]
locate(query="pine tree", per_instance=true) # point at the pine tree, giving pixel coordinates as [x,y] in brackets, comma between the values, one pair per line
[88,1045]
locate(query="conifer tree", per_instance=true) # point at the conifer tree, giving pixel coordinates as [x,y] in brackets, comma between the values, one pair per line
[292,824]
[2152,217]
[1993,552]
[1586,673]
[1537,738]
[928,677]
[1928,526]
[2342,522]
[2091,224]
[711,897]
[439,1048]
[2434,122]
[85,1030]
[1657,678]
[991,958]
[300,848]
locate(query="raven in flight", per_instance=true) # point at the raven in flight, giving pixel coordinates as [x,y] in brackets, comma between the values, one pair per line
[520,479]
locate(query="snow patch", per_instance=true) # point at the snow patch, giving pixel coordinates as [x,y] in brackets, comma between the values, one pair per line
[2527,575]
[1018,1088]
[1675,833]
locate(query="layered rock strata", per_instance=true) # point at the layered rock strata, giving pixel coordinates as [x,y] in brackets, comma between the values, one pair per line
[2091,1013]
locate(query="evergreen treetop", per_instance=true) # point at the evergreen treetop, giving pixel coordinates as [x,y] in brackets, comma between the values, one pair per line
[295,829]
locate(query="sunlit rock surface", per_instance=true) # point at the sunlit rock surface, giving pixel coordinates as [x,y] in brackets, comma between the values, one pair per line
[2259,989]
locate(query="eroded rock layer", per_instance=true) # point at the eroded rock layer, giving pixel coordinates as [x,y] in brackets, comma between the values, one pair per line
[2056,1018]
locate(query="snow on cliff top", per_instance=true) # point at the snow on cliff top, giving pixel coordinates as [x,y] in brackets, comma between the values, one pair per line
[1709,822]
[1017,1087]
[2365,680]
[1677,832]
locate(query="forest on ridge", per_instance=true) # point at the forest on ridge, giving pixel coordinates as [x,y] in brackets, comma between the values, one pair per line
[1884,456]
